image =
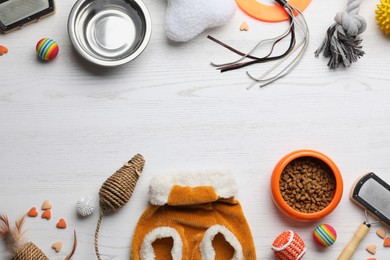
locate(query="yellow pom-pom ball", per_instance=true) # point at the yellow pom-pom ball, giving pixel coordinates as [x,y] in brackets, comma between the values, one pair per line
[383,16]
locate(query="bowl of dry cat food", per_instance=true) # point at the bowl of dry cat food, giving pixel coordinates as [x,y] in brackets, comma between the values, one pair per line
[306,185]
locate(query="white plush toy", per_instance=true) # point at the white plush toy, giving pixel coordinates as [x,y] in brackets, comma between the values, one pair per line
[185,19]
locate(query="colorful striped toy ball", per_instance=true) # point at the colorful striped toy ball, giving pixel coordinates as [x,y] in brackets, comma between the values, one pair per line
[324,235]
[47,49]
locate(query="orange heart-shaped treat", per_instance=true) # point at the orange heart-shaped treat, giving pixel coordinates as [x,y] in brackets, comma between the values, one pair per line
[386,242]
[46,214]
[61,224]
[32,212]
[3,50]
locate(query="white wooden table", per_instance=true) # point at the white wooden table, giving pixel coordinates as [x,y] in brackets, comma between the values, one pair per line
[67,125]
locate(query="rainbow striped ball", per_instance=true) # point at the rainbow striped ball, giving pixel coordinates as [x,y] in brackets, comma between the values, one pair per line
[324,235]
[47,49]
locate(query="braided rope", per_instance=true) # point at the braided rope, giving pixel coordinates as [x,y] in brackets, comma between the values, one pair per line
[342,44]
[117,190]
[97,235]
[30,252]
[352,23]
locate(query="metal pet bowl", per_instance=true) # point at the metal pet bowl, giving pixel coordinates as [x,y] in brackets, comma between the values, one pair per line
[109,32]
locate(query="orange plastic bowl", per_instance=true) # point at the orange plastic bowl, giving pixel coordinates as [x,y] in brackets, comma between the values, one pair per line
[281,203]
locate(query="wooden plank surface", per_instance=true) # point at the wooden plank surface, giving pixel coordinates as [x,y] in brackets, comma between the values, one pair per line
[66,126]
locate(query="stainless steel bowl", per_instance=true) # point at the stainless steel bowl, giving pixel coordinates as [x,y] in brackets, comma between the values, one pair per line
[109,32]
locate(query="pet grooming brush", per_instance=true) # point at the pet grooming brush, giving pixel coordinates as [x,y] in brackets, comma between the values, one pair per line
[15,14]
[372,194]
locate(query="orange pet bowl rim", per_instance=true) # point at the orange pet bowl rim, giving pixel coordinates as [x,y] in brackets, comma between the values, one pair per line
[281,203]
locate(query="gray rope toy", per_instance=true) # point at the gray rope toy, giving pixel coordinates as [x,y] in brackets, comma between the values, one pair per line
[342,43]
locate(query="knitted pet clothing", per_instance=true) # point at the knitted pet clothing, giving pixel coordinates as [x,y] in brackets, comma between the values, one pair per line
[193,216]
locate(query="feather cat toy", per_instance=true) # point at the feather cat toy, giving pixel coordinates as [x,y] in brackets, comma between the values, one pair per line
[17,244]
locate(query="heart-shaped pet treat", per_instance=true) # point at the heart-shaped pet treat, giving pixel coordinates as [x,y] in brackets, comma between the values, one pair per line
[61,224]
[244,26]
[381,233]
[386,242]
[185,19]
[371,258]
[32,212]
[46,205]
[46,214]
[371,249]
[57,246]
[3,50]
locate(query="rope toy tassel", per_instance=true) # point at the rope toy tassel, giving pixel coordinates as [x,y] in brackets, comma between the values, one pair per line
[342,43]
[117,190]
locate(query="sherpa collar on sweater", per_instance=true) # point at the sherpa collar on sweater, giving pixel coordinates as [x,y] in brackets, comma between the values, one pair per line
[223,184]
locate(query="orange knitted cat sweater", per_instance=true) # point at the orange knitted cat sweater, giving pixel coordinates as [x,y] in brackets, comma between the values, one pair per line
[193,216]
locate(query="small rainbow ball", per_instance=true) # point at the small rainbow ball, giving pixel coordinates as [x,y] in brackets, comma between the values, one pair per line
[47,49]
[324,235]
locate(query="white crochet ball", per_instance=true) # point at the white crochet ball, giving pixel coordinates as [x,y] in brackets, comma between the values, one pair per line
[85,206]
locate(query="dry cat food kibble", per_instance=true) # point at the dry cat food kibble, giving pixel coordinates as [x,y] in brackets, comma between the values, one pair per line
[307,184]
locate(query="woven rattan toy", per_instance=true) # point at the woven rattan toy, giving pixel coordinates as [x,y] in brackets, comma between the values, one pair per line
[288,246]
[117,190]
[17,245]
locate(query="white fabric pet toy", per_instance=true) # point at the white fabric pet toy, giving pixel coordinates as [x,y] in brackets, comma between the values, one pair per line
[185,19]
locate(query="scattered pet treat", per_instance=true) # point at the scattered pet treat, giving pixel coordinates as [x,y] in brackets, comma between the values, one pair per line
[342,43]
[185,19]
[324,235]
[117,190]
[371,258]
[383,16]
[288,246]
[57,246]
[47,49]
[199,211]
[32,212]
[15,241]
[307,184]
[381,233]
[244,26]
[46,205]
[46,214]
[21,250]
[371,249]
[85,206]
[368,193]
[3,50]
[61,224]
[386,242]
